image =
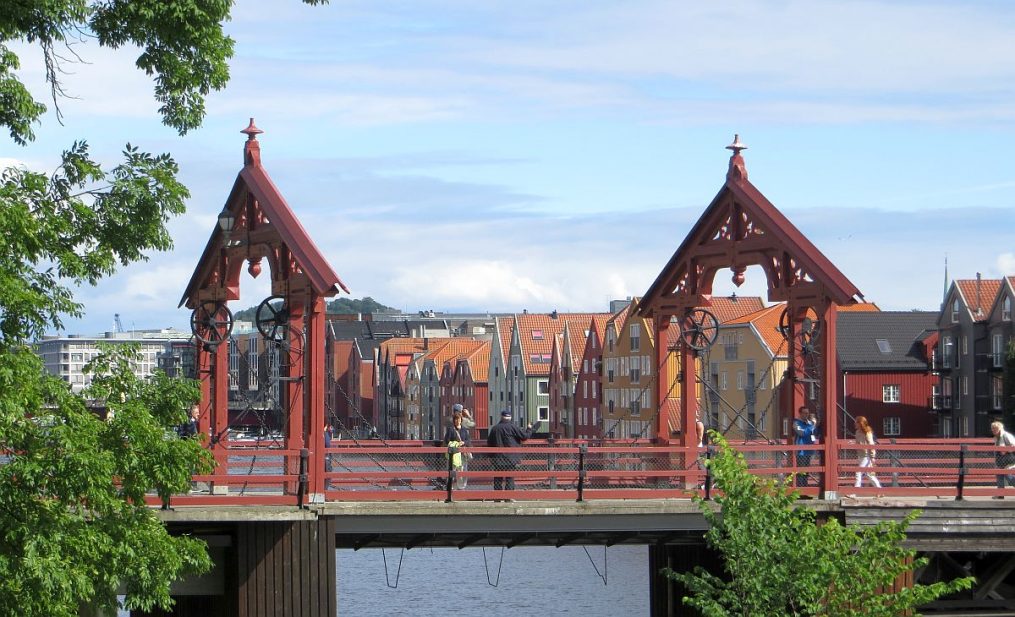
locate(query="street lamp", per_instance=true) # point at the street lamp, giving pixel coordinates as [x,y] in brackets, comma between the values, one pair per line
[226,219]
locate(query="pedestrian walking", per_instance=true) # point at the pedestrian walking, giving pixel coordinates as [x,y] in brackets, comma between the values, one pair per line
[865,437]
[1004,459]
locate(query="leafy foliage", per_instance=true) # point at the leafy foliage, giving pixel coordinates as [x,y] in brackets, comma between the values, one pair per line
[181,42]
[349,306]
[341,306]
[73,522]
[780,561]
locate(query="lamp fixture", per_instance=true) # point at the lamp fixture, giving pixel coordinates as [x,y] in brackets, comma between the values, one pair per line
[226,220]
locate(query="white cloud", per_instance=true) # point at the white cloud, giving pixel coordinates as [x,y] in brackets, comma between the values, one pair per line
[1006,264]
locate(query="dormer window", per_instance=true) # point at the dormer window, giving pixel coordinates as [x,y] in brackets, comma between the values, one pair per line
[537,335]
[884,346]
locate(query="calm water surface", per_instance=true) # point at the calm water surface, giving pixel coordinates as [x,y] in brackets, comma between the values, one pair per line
[533,581]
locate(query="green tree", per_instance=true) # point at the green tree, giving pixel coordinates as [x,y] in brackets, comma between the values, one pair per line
[73,523]
[780,561]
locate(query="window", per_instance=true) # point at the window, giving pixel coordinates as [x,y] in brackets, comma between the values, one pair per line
[635,373]
[1006,309]
[996,353]
[636,408]
[543,413]
[892,425]
[965,345]
[730,346]
[740,380]
[946,345]
[965,385]
[722,380]
[884,346]
[890,393]
[537,335]
[635,337]
[955,310]
[996,391]
[935,396]
[543,386]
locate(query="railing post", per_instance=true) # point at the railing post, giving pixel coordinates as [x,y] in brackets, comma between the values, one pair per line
[452,476]
[708,472]
[582,450]
[551,463]
[962,472]
[301,491]
[896,463]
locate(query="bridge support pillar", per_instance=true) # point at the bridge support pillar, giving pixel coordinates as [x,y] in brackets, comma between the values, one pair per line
[665,595]
[269,568]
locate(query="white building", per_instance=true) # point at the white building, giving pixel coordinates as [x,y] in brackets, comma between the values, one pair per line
[66,356]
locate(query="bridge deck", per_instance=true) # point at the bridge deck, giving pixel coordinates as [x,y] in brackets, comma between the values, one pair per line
[976,524]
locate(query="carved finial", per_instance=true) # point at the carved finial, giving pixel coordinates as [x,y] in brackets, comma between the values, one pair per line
[251,148]
[737,168]
[736,146]
[251,131]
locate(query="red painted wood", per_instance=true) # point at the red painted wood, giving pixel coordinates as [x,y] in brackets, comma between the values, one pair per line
[863,396]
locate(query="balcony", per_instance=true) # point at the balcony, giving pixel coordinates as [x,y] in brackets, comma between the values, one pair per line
[941,402]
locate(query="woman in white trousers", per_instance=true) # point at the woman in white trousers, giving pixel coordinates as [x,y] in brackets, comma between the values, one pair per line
[865,437]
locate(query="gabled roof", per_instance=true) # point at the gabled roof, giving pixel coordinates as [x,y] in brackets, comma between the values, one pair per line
[727,308]
[978,296]
[1008,283]
[766,235]
[901,334]
[452,348]
[766,323]
[549,326]
[253,181]
[479,362]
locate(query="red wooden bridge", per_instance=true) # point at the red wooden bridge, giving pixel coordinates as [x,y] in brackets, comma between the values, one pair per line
[274,510]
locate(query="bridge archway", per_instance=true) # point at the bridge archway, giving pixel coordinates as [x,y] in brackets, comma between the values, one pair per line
[738,229]
[257,225]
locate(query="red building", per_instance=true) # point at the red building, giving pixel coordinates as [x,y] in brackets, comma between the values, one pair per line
[885,372]
[468,384]
[588,392]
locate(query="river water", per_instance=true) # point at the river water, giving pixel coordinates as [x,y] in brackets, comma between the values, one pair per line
[533,581]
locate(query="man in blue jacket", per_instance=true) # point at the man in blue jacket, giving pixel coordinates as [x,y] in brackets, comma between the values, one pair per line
[803,430]
[506,434]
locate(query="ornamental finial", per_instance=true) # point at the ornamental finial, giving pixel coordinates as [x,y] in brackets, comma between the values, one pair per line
[737,169]
[251,131]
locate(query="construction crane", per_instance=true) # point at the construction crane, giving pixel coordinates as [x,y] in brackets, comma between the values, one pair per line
[117,324]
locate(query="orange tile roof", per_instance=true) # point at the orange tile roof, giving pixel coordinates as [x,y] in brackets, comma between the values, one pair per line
[503,332]
[726,308]
[550,327]
[988,291]
[479,362]
[766,322]
[577,336]
[860,307]
[451,349]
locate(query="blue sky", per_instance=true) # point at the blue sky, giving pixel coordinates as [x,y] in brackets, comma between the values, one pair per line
[552,155]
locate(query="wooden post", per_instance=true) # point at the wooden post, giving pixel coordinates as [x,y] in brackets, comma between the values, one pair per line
[314,352]
[830,394]
[663,379]
[219,422]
